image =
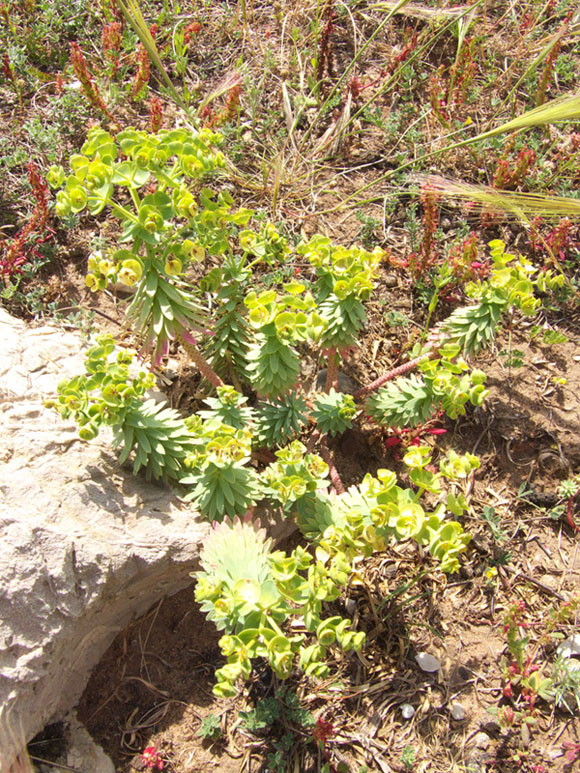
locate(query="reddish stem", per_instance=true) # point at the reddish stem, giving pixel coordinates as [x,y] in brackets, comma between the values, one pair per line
[569,513]
[202,364]
[332,370]
[395,373]
[334,476]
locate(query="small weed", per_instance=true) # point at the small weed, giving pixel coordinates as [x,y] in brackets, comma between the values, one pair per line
[552,337]
[284,706]
[494,522]
[282,710]
[264,714]
[210,727]
[374,116]
[566,684]
[368,232]
[45,138]
[408,757]
[70,112]
[396,319]
[513,359]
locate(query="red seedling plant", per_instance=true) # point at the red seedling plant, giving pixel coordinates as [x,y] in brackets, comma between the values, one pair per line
[322,732]
[20,250]
[152,759]
[89,86]
[143,67]
[572,752]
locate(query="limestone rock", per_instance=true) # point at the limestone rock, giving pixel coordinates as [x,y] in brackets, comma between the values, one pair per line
[85,547]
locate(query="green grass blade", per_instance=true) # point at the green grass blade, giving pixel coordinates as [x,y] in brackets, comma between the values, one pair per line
[338,85]
[565,108]
[520,205]
[132,12]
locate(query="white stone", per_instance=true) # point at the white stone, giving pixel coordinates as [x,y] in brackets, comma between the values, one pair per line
[481,740]
[570,646]
[407,711]
[350,606]
[427,662]
[457,711]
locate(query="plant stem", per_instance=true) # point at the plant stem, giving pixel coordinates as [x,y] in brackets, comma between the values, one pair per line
[332,370]
[570,513]
[395,373]
[334,476]
[312,441]
[123,213]
[202,364]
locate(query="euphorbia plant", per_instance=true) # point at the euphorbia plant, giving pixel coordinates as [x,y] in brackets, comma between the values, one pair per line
[252,351]
[145,179]
[251,592]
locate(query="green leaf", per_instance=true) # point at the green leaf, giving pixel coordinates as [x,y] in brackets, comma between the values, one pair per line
[130,175]
[99,198]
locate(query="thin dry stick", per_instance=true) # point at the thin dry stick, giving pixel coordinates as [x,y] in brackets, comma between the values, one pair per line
[535,582]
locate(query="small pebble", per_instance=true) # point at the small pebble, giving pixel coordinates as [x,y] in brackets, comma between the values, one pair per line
[427,662]
[570,646]
[457,711]
[171,370]
[407,711]
[390,280]
[481,740]
[350,606]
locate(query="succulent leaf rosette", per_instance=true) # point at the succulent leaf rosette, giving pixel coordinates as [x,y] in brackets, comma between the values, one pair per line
[250,592]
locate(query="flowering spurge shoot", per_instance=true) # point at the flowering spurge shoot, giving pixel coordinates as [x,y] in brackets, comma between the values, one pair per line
[145,179]
[226,348]
[278,324]
[266,244]
[295,475]
[445,384]
[344,281]
[334,412]
[109,395]
[330,316]
[511,285]
[222,480]
[230,408]
[250,593]
[367,517]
